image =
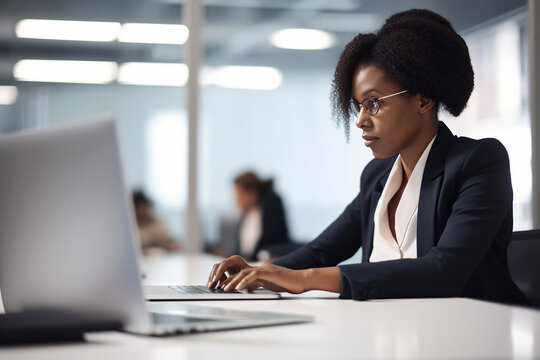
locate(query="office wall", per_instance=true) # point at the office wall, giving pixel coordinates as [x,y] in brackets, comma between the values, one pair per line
[499,104]
[133,107]
[287,133]
[8,118]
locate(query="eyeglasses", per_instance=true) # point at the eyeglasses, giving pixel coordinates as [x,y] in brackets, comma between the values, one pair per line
[371,105]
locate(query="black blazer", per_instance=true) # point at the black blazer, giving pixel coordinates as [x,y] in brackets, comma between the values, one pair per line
[274,230]
[464,226]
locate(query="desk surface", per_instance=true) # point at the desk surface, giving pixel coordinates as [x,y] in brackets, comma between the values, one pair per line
[343,329]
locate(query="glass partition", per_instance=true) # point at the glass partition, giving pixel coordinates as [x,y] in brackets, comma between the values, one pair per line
[499,105]
[76,60]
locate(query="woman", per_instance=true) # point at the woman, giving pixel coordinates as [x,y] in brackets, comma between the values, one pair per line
[152,231]
[434,214]
[263,226]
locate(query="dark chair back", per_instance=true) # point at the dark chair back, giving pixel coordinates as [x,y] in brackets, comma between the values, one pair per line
[524,263]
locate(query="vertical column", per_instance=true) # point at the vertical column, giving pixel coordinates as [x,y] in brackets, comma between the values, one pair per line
[192,15]
[534,58]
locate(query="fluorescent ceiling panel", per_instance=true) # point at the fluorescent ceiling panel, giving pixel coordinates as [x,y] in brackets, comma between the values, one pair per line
[8,95]
[67,30]
[154,33]
[159,74]
[302,39]
[66,71]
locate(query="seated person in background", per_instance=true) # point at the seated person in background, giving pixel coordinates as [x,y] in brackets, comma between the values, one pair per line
[153,233]
[262,231]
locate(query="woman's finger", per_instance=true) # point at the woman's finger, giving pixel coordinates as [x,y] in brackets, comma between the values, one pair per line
[239,276]
[224,283]
[220,281]
[213,278]
[246,280]
[254,286]
[220,272]
[225,269]
[209,282]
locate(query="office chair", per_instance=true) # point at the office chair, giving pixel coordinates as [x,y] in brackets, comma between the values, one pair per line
[524,263]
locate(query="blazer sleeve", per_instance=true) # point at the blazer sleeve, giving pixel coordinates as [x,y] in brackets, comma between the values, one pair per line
[336,243]
[483,199]
[274,223]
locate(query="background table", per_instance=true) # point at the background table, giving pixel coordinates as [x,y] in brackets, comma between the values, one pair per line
[452,328]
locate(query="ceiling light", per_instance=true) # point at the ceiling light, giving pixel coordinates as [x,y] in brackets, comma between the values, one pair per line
[67,30]
[352,22]
[244,77]
[66,71]
[160,74]
[154,33]
[8,95]
[302,39]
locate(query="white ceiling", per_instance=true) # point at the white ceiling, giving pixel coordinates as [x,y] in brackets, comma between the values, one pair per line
[235,31]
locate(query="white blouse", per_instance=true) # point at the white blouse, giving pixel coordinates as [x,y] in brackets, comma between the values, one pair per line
[250,231]
[385,247]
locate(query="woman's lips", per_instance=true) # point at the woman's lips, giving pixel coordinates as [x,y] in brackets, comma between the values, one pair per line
[370,140]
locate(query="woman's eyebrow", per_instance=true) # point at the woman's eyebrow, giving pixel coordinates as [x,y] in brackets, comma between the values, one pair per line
[365,93]
[371,90]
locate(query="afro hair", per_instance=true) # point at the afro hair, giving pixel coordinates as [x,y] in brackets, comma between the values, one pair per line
[420,50]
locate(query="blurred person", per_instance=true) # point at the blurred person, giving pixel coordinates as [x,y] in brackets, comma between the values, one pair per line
[262,231]
[152,231]
[433,216]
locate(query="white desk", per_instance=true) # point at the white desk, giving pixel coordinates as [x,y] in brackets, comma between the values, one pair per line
[343,329]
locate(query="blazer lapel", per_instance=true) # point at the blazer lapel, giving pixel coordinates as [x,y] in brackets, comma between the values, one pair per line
[430,189]
[367,246]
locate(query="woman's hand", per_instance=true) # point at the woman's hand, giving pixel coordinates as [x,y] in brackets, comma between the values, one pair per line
[225,270]
[235,273]
[268,276]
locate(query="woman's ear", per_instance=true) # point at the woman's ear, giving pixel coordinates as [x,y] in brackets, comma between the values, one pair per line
[425,104]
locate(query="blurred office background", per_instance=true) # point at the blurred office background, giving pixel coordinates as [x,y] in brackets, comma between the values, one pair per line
[264,101]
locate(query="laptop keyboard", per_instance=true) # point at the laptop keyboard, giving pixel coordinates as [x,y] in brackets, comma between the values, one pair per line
[200,289]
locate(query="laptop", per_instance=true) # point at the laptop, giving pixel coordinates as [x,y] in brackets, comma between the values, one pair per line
[201,292]
[227,231]
[67,235]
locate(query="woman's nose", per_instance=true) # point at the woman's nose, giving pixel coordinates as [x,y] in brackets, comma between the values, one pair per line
[362,119]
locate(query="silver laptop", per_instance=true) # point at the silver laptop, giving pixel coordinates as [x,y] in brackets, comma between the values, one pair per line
[67,235]
[228,226]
